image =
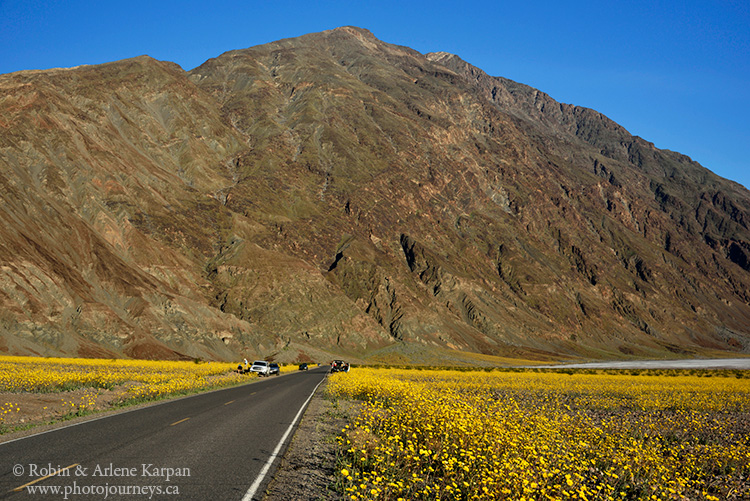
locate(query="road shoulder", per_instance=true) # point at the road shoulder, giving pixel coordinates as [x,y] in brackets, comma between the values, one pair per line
[306,472]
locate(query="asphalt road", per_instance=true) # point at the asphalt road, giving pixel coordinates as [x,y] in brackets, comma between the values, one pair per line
[208,446]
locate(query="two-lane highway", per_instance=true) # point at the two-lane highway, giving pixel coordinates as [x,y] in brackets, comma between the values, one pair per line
[217,445]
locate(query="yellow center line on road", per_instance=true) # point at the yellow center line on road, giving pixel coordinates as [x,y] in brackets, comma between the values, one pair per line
[229,402]
[180,421]
[22,487]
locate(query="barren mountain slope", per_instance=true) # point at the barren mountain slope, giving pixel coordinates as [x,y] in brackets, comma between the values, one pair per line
[334,194]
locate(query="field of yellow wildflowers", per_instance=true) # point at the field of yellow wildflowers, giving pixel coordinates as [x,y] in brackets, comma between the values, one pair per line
[75,386]
[533,435]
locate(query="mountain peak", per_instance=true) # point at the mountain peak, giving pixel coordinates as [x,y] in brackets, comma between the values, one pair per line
[355,30]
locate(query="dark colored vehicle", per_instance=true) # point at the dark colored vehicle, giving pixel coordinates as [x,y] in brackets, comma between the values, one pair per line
[339,366]
[274,369]
[303,367]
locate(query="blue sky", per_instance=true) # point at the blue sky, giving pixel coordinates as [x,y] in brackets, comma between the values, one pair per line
[676,73]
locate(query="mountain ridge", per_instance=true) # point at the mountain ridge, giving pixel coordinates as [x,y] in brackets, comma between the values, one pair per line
[335,195]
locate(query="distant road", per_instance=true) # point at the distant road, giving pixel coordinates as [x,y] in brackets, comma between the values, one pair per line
[719,363]
[208,446]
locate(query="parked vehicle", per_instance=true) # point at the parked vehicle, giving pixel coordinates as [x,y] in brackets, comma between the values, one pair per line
[339,366]
[261,367]
[274,368]
[303,366]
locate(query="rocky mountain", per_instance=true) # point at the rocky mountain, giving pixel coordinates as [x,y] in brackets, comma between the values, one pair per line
[335,195]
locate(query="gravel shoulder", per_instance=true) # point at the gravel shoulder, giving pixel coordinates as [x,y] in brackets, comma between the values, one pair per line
[306,472]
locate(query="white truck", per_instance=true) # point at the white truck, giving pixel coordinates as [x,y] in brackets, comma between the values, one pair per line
[261,367]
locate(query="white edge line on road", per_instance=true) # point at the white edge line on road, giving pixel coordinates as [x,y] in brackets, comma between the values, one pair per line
[259,480]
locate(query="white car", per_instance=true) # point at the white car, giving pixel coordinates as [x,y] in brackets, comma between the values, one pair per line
[261,367]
